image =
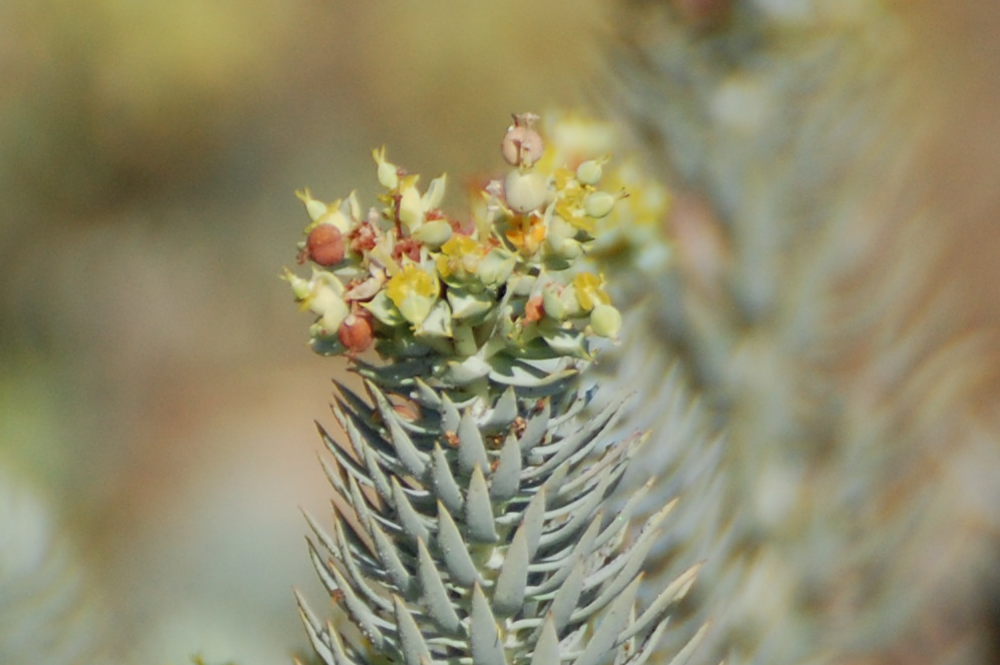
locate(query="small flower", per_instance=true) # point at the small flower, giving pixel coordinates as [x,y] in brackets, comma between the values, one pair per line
[590,290]
[322,295]
[527,233]
[460,257]
[414,291]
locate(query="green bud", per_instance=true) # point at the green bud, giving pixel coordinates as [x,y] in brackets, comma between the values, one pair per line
[605,320]
[598,204]
[525,192]
[589,172]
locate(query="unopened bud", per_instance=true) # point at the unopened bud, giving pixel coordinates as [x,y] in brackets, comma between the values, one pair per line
[525,192]
[598,204]
[589,172]
[522,145]
[605,321]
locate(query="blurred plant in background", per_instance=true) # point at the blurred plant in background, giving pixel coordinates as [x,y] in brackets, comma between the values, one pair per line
[805,316]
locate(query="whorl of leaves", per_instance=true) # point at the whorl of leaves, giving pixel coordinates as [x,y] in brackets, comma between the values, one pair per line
[475,532]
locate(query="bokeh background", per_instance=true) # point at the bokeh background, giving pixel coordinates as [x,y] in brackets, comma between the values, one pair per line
[156,391]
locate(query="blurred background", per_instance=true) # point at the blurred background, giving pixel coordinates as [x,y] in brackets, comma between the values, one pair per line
[156,391]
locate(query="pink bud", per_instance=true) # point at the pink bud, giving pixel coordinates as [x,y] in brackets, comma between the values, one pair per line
[522,145]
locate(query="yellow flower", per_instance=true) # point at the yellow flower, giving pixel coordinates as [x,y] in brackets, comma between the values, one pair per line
[413,290]
[527,233]
[460,256]
[590,290]
[570,201]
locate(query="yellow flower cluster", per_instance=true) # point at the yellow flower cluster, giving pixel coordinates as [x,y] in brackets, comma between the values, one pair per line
[418,282]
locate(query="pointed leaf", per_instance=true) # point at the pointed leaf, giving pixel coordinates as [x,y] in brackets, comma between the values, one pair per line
[479,510]
[506,479]
[413,460]
[471,450]
[674,592]
[411,641]
[435,595]
[450,417]
[370,624]
[445,486]
[389,556]
[503,413]
[536,427]
[508,595]
[410,520]
[547,647]
[456,555]
[567,597]
[533,520]
[483,632]
[603,640]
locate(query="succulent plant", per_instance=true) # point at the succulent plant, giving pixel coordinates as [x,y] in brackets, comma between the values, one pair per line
[473,490]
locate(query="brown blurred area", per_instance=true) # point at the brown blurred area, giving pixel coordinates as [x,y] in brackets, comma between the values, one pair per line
[155,384]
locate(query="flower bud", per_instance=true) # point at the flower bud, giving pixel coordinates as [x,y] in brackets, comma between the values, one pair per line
[598,204]
[522,145]
[605,321]
[525,192]
[589,172]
